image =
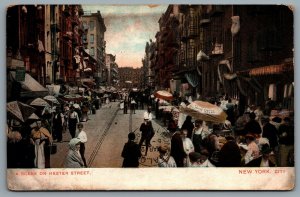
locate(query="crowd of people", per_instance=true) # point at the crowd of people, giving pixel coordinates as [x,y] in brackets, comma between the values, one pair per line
[258,137]
[30,143]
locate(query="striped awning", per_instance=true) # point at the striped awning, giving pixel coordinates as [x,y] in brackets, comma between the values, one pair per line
[272,69]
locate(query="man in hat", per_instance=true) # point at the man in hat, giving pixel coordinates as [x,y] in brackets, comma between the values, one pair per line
[269,132]
[263,160]
[148,114]
[286,141]
[58,122]
[194,159]
[147,133]
[253,127]
[73,120]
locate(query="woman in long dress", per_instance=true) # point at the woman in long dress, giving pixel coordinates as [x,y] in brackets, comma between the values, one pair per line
[39,136]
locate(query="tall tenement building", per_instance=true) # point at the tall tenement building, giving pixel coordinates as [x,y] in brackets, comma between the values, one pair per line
[94,42]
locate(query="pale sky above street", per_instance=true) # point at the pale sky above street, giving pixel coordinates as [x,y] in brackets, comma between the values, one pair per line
[129,27]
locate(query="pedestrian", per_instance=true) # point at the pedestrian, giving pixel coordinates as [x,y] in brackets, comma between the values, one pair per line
[132,105]
[125,106]
[263,160]
[107,101]
[177,150]
[197,135]
[146,129]
[122,105]
[189,126]
[182,116]
[73,120]
[58,122]
[253,127]
[172,127]
[187,145]
[131,152]
[270,132]
[157,115]
[39,136]
[148,114]
[230,154]
[200,159]
[286,141]
[73,159]
[165,160]
[83,139]
[253,150]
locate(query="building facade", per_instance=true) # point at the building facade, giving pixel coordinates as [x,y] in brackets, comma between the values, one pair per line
[238,50]
[130,77]
[94,42]
[112,71]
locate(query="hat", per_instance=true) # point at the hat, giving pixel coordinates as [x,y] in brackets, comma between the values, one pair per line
[162,149]
[194,156]
[277,119]
[265,149]
[204,152]
[250,137]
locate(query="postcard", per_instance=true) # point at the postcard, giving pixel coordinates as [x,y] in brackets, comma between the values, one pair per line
[150,97]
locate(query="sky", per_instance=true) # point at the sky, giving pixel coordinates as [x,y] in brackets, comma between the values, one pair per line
[128,28]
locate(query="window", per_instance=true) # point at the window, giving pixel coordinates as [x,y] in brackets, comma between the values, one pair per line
[92,25]
[92,38]
[92,51]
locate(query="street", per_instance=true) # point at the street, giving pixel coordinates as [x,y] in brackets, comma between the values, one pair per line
[107,132]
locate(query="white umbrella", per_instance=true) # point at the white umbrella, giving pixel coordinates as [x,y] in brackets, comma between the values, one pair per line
[51,99]
[33,117]
[205,111]
[39,102]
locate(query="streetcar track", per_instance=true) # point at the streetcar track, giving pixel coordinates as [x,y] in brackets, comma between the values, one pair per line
[130,121]
[101,139]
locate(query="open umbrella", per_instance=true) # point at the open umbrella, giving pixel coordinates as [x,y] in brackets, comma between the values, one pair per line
[204,111]
[75,97]
[52,99]
[19,110]
[163,94]
[33,116]
[39,102]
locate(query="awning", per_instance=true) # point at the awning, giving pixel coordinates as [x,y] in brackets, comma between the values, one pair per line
[272,69]
[31,87]
[193,78]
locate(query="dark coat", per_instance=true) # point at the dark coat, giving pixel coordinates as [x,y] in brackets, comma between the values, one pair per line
[177,151]
[270,132]
[147,130]
[189,126]
[131,154]
[256,163]
[253,127]
[287,139]
[229,155]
